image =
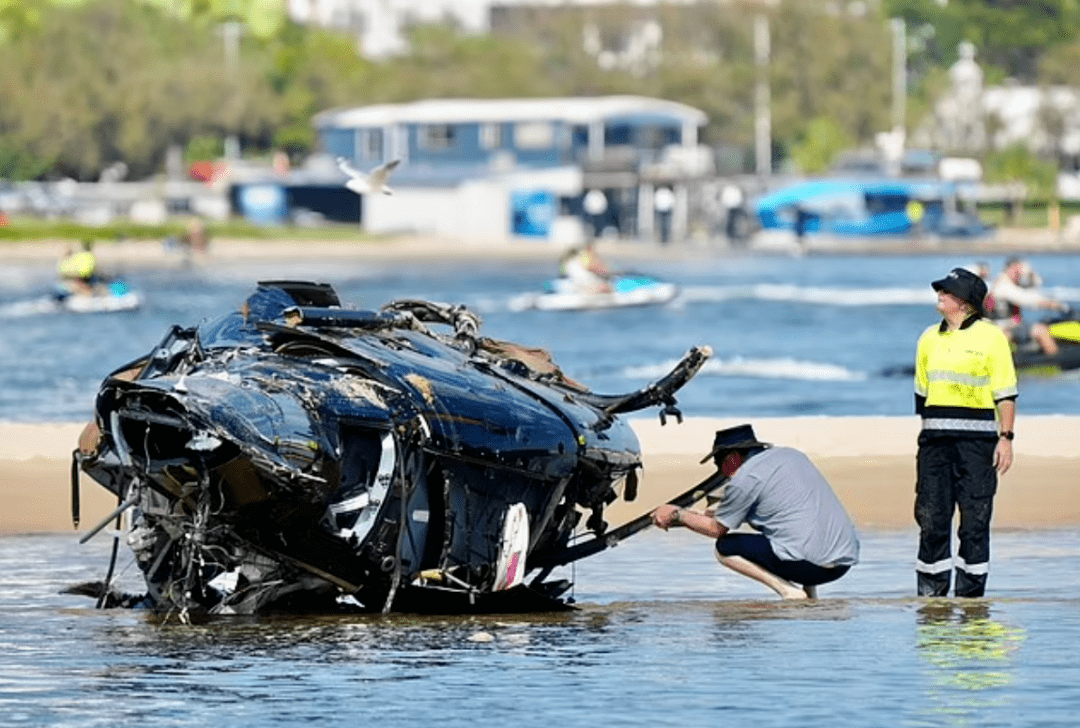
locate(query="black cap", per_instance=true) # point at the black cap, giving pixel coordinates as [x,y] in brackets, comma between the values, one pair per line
[734,438]
[965,285]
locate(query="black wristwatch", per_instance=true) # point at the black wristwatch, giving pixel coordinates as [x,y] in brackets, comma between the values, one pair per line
[1007,434]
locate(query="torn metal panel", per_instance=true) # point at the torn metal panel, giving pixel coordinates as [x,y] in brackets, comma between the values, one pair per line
[296,454]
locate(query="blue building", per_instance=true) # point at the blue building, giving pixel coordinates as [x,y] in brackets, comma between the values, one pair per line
[616,152]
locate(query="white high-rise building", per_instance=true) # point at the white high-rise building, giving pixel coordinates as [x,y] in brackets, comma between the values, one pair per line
[378,24]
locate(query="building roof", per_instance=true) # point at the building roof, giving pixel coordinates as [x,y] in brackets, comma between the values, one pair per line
[575,109]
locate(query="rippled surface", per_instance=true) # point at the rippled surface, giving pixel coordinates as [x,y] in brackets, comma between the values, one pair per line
[663,636]
[791,336]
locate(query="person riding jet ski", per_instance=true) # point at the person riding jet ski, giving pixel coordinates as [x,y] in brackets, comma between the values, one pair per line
[1015,288]
[78,269]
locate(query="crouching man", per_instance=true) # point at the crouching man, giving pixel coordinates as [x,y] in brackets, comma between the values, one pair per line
[804,536]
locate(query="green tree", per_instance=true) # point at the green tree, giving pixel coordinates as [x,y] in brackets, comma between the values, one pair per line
[822,141]
[444,63]
[1061,65]
[1017,163]
[160,83]
[163,79]
[18,16]
[826,65]
[1010,35]
[204,147]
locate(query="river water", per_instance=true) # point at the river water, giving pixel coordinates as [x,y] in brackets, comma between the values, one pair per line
[792,336]
[662,635]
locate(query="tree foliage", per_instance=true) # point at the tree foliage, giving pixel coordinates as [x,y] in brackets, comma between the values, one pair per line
[1018,164]
[1010,35]
[1061,64]
[823,140]
[84,83]
[834,66]
[107,80]
[158,83]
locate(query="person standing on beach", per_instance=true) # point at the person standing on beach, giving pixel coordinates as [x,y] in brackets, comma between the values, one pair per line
[804,535]
[965,392]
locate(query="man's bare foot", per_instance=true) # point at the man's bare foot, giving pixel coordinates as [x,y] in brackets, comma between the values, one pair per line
[789,591]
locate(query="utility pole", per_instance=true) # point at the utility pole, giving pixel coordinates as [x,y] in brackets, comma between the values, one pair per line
[230,31]
[762,100]
[899,28]
[898,138]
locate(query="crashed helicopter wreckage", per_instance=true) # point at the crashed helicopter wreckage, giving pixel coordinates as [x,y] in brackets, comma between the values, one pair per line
[300,455]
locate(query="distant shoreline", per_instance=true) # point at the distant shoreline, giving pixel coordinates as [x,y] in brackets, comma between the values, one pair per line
[152,254]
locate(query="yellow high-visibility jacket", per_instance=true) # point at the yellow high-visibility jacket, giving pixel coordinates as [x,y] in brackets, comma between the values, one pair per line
[961,375]
[78,265]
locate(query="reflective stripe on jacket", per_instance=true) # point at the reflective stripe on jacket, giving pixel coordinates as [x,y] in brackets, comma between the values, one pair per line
[961,375]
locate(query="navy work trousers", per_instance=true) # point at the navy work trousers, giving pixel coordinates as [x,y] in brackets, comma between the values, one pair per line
[954,472]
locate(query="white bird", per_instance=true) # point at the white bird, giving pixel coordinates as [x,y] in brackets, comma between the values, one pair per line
[373,181]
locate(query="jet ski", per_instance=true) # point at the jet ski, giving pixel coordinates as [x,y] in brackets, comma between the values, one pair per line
[104,297]
[299,455]
[562,294]
[1029,358]
[1065,330]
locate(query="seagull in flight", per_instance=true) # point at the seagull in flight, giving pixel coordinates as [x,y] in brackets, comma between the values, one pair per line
[373,181]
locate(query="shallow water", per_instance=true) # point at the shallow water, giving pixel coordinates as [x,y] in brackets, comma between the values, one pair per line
[662,636]
[791,336]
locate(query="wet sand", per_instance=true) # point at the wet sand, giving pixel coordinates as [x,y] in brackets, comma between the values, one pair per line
[869,460]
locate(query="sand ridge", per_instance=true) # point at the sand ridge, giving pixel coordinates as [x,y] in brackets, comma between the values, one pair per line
[870,462]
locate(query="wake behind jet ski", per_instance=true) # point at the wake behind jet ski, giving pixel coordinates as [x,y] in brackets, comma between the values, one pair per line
[627,289]
[296,454]
[103,297]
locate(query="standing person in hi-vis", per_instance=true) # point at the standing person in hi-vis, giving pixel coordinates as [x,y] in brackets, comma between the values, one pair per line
[965,391]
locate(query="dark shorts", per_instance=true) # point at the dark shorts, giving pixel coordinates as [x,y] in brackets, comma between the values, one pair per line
[756,548]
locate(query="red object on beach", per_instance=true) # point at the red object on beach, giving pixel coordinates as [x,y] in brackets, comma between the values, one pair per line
[3,220]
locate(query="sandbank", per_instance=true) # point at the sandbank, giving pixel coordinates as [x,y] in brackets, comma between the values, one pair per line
[870,462]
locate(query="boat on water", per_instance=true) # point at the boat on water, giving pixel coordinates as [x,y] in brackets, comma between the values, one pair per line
[1030,359]
[108,297]
[1065,330]
[561,294]
[868,207]
[296,454]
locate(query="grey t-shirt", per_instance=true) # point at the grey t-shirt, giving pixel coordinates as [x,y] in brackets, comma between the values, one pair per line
[781,494]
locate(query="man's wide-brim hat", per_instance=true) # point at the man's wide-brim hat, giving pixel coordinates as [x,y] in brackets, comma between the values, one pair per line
[965,285]
[734,438]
